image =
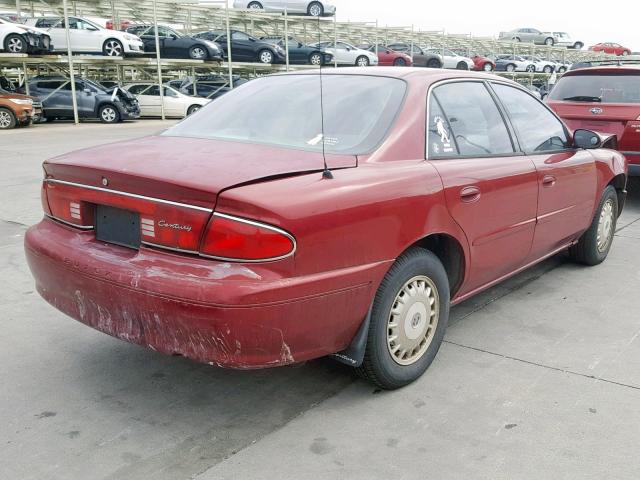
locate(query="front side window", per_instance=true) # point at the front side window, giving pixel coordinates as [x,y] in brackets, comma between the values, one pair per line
[285,110]
[475,122]
[239,36]
[537,128]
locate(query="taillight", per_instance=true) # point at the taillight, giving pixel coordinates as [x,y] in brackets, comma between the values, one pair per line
[238,239]
[65,205]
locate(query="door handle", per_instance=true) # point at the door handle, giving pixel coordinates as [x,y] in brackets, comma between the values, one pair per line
[548,181]
[470,194]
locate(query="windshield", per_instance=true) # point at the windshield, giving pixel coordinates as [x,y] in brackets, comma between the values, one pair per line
[610,88]
[284,110]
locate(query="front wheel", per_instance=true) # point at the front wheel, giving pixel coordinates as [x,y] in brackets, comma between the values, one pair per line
[265,56]
[548,69]
[255,6]
[15,43]
[594,245]
[511,68]
[113,48]
[109,114]
[625,53]
[434,63]
[562,69]
[408,319]
[531,68]
[549,42]
[462,66]
[193,109]
[316,59]
[362,61]
[487,67]
[315,9]
[7,119]
[400,62]
[198,52]
[578,45]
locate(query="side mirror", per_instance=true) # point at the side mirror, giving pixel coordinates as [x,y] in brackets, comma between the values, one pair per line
[87,91]
[586,139]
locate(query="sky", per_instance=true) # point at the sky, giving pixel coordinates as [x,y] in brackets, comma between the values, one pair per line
[586,20]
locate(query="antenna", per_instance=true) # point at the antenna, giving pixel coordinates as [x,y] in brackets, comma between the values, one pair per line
[326,173]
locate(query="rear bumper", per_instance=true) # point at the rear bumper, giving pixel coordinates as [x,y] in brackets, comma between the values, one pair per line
[230,315]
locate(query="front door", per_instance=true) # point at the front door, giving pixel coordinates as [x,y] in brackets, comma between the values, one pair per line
[490,189]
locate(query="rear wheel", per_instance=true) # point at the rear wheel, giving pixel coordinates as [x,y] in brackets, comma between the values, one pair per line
[198,52]
[265,56]
[362,61]
[408,320]
[548,69]
[113,48]
[531,68]
[549,41]
[594,245]
[400,62]
[255,6]
[14,43]
[7,119]
[193,108]
[487,67]
[315,58]
[109,114]
[625,53]
[511,68]
[315,9]
[462,66]
[434,63]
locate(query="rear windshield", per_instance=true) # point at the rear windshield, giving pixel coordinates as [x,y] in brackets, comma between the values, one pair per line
[610,88]
[285,111]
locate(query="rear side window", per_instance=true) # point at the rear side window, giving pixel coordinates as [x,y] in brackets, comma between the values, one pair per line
[46,22]
[467,110]
[598,88]
[537,128]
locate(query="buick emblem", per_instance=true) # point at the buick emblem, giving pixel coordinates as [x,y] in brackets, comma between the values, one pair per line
[596,110]
[105,181]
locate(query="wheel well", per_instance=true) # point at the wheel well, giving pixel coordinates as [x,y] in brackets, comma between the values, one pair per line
[450,253]
[112,38]
[619,182]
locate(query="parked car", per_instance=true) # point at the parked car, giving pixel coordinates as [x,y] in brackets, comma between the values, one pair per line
[482,63]
[530,35]
[299,53]
[123,25]
[514,63]
[313,8]
[561,65]
[93,100]
[611,48]
[176,104]
[346,54]
[88,37]
[541,65]
[388,57]
[421,58]
[452,60]
[244,47]
[604,98]
[18,110]
[563,39]
[176,45]
[18,38]
[227,238]
[207,86]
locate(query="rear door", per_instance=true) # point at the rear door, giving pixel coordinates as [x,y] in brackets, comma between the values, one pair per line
[491,190]
[567,177]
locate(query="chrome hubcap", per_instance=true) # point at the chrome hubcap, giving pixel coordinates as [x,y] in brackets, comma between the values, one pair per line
[315,10]
[266,57]
[15,45]
[315,60]
[197,52]
[413,320]
[5,120]
[108,114]
[605,226]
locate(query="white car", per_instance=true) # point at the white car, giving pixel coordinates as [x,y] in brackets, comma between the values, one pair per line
[18,38]
[346,54]
[542,66]
[88,37]
[176,104]
[313,8]
[452,59]
[563,39]
[514,63]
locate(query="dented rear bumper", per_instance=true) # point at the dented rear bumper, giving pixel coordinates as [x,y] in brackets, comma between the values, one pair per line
[231,315]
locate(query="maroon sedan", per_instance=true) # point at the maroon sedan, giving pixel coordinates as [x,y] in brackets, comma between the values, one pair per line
[260,232]
[483,64]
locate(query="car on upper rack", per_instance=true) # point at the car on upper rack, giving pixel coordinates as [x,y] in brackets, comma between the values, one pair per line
[312,8]
[482,63]
[18,110]
[388,57]
[299,53]
[514,63]
[207,86]
[420,57]
[605,98]
[346,54]
[563,39]
[86,36]
[611,48]
[176,104]
[530,35]
[93,100]
[541,65]
[453,60]
[174,44]
[244,47]
[235,238]
[19,38]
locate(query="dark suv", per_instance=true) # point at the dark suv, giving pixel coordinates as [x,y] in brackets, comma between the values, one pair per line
[245,48]
[94,100]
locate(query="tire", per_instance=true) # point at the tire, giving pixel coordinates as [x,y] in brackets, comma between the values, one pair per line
[487,67]
[517,39]
[625,53]
[112,48]
[578,46]
[198,52]
[421,327]
[255,6]
[109,114]
[511,68]
[315,9]
[547,69]
[362,61]
[434,63]
[462,66]
[7,119]
[594,245]
[316,58]
[400,62]
[549,42]
[562,69]
[193,109]
[265,56]
[14,43]
[531,68]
